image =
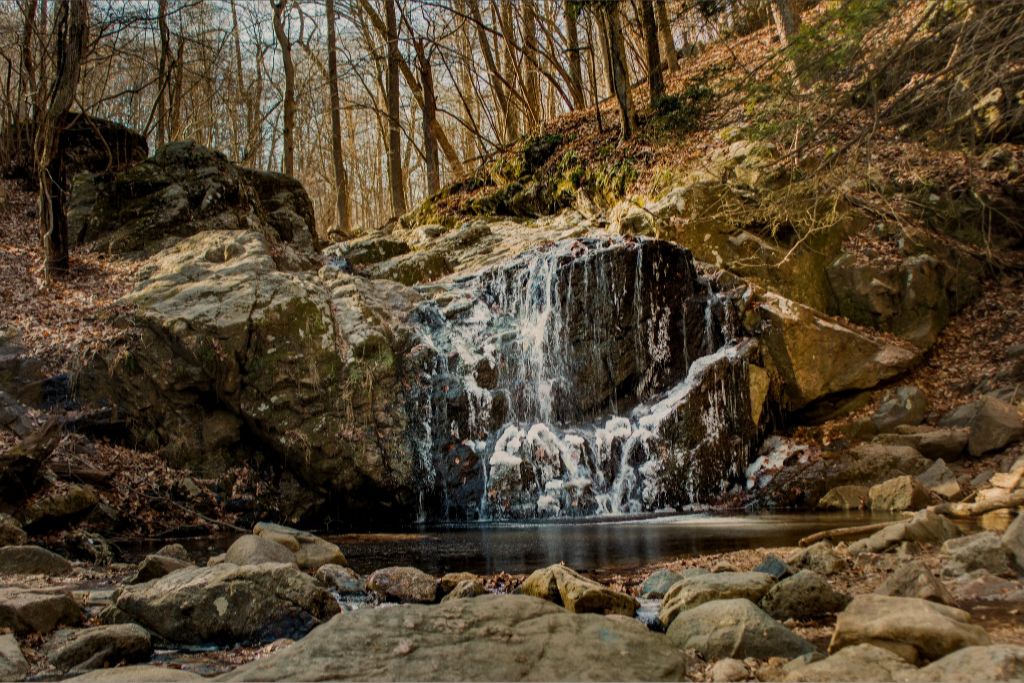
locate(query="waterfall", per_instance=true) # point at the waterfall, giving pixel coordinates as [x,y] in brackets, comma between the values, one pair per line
[595,376]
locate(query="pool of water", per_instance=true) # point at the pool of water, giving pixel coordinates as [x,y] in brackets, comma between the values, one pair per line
[585,545]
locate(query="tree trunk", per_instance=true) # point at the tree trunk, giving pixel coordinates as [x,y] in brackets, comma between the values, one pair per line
[655,79]
[787,20]
[572,31]
[71,28]
[162,74]
[618,70]
[344,209]
[430,154]
[497,84]
[288,134]
[532,75]
[668,43]
[507,24]
[398,205]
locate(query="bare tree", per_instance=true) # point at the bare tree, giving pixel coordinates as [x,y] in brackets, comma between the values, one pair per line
[655,78]
[288,133]
[668,43]
[396,180]
[71,26]
[344,211]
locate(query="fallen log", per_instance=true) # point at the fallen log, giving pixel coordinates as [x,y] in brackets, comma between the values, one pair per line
[1010,500]
[844,532]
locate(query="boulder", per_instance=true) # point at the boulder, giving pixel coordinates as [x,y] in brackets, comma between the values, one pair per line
[734,628]
[849,497]
[252,549]
[914,580]
[911,627]
[995,425]
[864,662]
[904,405]
[174,550]
[11,532]
[697,590]
[940,479]
[563,586]
[805,595]
[924,527]
[493,637]
[226,604]
[28,611]
[341,579]
[311,551]
[978,663]
[13,665]
[450,580]
[983,550]
[469,588]
[948,443]
[155,566]
[1013,540]
[820,557]
[31,559]
[98,647]
[658,583]
[59,505]
[774,567]
[816,356]
[137,673]
[900,493]
[728,670]
[182,190]
[403,584]
[982,585]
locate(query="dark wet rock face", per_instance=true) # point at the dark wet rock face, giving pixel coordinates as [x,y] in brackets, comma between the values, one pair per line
[583,377]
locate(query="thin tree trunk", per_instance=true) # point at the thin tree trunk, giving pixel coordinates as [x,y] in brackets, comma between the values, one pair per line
[532,75]
[497,85]
[344,209]
[288,134]
[655,79]
[572,31]
[430,154]
[618,73]
[787,20]
[507,24]
[668,43]
[398,205]
[163,78]
[71,29]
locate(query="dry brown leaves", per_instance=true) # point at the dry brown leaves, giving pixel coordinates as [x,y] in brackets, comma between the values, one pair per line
[55,320]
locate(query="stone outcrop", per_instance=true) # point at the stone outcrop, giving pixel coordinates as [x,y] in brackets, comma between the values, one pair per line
[26,611]
[735,628]
[507,638]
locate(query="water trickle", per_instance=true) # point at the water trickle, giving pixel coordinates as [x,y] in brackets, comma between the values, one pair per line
[597,376]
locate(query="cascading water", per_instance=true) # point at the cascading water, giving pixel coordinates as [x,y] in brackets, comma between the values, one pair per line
[597,376]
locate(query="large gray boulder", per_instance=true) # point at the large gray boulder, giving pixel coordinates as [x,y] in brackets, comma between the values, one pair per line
[912,628]
[98,647]
[489,638]
[735,628]
[898,494]
[226,604]
[805,595]
[983,550]
[31,559]
[696,590]
[905,405]
[948,443]
[914,580]
[27,611]
[564,586]
[311,551]
[865,662]
[252,549]
[978,663]
[995,425]
[154,566]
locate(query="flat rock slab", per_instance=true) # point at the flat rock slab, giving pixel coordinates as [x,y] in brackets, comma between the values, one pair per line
[98,647]
[735,628]
[26,611]
[140,673]
[31,559]
[696,590]
[13,665]
[983,550]
[910,627]
[490,638]
[991,663]
[226,604]
[858,663]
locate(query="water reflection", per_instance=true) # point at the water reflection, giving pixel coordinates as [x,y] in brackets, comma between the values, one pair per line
[587,546]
